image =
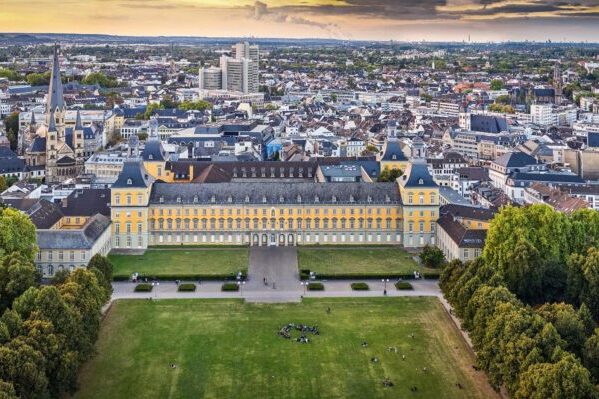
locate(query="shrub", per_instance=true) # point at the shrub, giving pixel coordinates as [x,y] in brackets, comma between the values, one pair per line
[359,286]
[432,275]
[186,287]
[230,287]
[365,276]
[432,256]
[315,287]
[403,285]
[304,274]
[143,287]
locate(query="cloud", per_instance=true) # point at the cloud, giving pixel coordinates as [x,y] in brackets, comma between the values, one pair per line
[261,11]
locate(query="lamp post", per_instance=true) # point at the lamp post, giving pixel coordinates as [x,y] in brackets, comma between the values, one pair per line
[155,284]
[385,281]
[240,284]
[305,285]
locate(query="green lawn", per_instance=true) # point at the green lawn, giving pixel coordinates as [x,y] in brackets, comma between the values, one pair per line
[182,263]
[229,349]
[358,261]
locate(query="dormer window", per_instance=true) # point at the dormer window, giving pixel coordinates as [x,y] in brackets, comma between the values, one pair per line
[299,198]
[334,199]
[420,181]
[369,199]
[316,199]
[195,198]
[394,157]
[161,200]
[213,199]
[150,157]
[264,199]
[387,198]
[129,182]
[351,198]
[229,199]
[247,198]
[281,199]
[178,200]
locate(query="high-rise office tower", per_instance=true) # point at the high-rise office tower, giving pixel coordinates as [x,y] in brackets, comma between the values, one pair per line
[236,73]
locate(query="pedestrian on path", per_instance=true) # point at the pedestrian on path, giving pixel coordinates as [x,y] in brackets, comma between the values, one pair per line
[273,286]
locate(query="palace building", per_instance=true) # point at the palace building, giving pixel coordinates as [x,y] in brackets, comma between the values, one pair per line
[147,211]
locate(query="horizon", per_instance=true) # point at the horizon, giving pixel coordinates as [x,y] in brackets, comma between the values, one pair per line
[315,38]
[356,20]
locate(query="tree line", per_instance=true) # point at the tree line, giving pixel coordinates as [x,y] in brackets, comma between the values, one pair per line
[531,301]
[46,331]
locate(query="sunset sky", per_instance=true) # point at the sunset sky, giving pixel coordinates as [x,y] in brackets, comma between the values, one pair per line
[341,19]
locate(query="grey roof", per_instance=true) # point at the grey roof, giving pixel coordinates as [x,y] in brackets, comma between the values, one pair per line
[153,151]
[469,212]
[275,193]
[547,177]
[74,239]
[87,202]
[9,162]
[488,123]
[393,151]
[55,91]
[463,237]
[341,170]
[133,174]
[417,175]
[515,160]
[43,214]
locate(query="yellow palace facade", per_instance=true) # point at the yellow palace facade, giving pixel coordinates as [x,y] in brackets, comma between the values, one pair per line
[147,211]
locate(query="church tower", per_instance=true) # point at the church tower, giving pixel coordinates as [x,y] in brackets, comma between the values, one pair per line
[558,84]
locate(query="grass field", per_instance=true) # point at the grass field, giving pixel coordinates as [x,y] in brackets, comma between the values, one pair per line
[181,262]
[228,349]
[358,261]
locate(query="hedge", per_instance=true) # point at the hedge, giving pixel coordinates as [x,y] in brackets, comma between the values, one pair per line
[315,287]
[365,276]
[403,285]
[230,287]
[186,287]
[359,287]
[143,287]
[173,277]
[432,275]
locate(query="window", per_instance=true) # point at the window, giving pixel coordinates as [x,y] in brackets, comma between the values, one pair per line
[139,227]
[421,198]
[128,227]
[129,182]
[128,199]
[117,199]
[410,198]
[117,228]
[82,255]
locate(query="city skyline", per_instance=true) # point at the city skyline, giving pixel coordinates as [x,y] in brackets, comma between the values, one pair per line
[410,20]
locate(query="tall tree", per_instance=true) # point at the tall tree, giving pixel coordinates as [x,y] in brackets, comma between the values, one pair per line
[17,233]
[566,378]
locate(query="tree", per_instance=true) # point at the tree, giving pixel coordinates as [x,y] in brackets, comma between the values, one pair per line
[567,323]
[528,247]
[389,175]
[168,103]
[11,122]
[151,109]
[432,257]
[101,79]
[38,79]
[7,390]
[496,84]
[104,266]
[590,356]
[3,185]
[17,233]
[566,378]
[199,105]
[9,74]
[17,275]
[505,100]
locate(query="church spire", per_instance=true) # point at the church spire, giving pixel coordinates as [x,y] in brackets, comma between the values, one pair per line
[78,124]
[55,93]
[52,123]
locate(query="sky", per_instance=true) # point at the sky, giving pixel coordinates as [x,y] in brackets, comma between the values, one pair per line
[400,20]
